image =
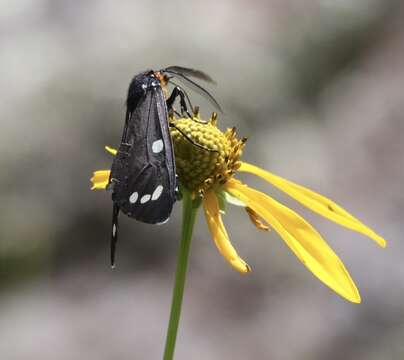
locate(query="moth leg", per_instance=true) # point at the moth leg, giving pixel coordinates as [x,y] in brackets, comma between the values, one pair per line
[190,140]
[184,92]
[177,91]
[114,233]
[195,109]
[177,113]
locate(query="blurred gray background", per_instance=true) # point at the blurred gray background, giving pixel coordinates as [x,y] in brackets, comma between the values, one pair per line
[317,86]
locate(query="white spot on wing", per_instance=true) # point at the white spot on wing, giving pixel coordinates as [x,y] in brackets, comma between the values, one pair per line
[157,146]
[113,230]
[157,192]
[145,198]
[133,198]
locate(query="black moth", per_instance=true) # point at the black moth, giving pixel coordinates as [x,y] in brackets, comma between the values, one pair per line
[143,178]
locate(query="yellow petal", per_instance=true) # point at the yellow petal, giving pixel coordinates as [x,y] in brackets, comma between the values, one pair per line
[315,202]
[255,219]
[302,239]
[111,150]
[100,179]
[219,233]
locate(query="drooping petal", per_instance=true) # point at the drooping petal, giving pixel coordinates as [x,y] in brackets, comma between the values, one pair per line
[219,233]
[100,179]
[315,202]
[255,219]
[302,239]
[111,150]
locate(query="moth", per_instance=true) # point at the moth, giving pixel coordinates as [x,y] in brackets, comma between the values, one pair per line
[143,176]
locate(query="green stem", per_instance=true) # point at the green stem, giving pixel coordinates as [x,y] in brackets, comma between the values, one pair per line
[189,211]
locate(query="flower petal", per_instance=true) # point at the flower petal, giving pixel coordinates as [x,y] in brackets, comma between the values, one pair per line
[302,239]
[219,233]
[100,179]
[315,202]
[111,150]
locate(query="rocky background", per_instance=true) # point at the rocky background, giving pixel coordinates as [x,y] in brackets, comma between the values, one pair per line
[316,85]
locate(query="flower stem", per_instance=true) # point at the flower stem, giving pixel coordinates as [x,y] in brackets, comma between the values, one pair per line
[189,211]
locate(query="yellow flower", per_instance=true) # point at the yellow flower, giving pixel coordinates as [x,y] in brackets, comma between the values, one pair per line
[210,175]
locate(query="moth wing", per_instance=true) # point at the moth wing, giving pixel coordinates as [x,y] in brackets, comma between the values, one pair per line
[143,172]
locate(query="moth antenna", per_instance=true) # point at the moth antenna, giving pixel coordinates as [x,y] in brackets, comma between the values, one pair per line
[196,87]
[192,141]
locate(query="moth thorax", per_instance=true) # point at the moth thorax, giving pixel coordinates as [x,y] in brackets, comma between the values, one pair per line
[205,156]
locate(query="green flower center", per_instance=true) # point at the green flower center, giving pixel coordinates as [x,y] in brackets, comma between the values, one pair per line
[205,157]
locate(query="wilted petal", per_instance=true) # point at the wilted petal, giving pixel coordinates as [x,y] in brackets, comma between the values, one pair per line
[219,233]
[100,179]
[302,239]
[255,219]
[315,202]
